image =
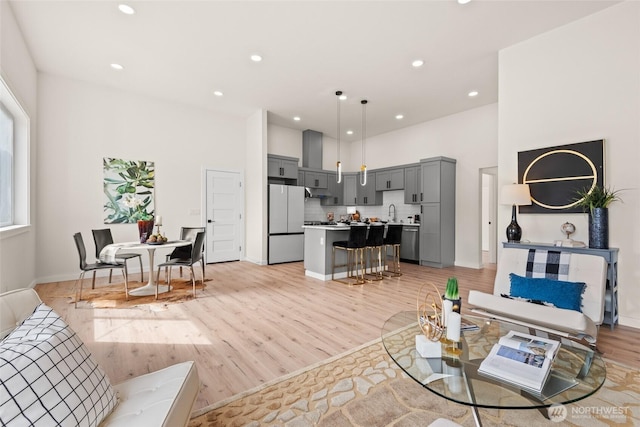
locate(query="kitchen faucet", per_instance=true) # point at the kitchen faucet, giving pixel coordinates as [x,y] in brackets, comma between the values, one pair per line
[394,212]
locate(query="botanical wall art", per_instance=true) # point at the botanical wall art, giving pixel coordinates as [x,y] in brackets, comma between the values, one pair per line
[556,174]
[128,189]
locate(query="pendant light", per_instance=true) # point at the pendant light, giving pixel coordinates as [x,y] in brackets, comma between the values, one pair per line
[338,163]
[363,167]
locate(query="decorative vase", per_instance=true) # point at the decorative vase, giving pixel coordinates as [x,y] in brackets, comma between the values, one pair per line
[145,229]
[599,228]
[457,304]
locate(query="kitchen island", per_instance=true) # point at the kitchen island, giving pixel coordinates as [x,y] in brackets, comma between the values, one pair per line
[318,250]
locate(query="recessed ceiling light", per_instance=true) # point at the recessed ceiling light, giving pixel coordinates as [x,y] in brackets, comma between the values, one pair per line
[417,63]
[399,116]
[463,1]
[473,93]
[218,93]
[349,132]
[256,58]
[117,67]
[296,118]
[126,9]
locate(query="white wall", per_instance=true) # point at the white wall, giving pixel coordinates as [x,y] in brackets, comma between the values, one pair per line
[256,188]
[80,124]
[579,83]
[17,248]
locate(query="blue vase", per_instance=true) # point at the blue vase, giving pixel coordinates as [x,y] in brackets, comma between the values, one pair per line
[599,228]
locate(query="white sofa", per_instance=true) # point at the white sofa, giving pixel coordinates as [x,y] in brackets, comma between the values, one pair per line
[589,269]
[161,398]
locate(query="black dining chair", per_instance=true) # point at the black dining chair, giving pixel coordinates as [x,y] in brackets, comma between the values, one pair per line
[196,256]
[102,238]
[374,246]
[392,240]
[85,267]
[184,252]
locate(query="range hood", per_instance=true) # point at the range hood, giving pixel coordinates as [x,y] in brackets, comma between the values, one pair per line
[317,193]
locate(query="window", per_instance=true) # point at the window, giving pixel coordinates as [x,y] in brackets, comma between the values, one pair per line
[6,166]
[14,164]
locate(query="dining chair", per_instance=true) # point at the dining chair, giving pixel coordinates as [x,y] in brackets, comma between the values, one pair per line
[374,246]
[196,256]
[354,248]
[102,238]
[184,252]
[85,267]
[392,241]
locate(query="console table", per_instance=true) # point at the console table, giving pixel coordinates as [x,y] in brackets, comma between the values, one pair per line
[611,257]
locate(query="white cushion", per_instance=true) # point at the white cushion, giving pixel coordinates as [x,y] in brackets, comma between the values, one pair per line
[15,306]
[49,377]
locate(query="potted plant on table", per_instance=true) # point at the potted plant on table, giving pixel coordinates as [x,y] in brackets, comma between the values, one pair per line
[597,200]
[451,293]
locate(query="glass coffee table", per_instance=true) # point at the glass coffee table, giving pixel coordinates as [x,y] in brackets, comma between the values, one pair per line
[577,371]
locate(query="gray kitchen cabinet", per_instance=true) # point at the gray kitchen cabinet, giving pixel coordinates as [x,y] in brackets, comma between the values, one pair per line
[335,190]
[315,179]
[282,167]
[412,185]
[300,178]
[438,211]
[350,189]
[390,179]
[367,194]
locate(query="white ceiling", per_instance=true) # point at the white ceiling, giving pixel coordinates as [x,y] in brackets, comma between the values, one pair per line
[182,51]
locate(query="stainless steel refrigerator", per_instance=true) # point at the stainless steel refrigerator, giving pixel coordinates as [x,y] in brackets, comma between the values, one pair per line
[286,217]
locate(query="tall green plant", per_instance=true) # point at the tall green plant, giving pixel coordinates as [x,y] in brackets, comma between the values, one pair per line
[596,197]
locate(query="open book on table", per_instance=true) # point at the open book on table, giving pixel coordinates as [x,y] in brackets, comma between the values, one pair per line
[522,359]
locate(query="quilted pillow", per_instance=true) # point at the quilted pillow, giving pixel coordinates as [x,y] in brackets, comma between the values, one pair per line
[557,292]
[47,376]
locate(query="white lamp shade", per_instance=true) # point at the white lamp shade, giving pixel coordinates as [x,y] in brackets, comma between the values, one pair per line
[515,194]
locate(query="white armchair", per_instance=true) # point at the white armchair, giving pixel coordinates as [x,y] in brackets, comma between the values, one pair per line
[589,269]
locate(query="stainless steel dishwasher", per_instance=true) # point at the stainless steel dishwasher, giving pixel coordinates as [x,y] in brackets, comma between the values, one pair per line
[410,244]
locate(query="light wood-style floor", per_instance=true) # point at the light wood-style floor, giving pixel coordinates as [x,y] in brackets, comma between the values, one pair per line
[255,323]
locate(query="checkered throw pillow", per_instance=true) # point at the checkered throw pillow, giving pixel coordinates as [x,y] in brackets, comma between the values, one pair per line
[548,264]
[48,378]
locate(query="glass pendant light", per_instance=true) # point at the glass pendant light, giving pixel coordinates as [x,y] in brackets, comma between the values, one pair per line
[363,167]
[338,163]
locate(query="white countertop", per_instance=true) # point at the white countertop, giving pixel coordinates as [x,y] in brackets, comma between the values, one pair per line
[346,227]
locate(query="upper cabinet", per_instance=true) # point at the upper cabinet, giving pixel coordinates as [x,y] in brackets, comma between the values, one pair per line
[390,179]
[367,195]
[412,185]
[350,189]
[335,190]
[314,179]
[282,167]
[438,175]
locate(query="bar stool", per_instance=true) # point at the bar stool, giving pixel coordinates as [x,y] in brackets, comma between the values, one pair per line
[355,254]
[393,239]
[375,242]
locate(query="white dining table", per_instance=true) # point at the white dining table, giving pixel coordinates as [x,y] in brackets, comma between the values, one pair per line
[109,253]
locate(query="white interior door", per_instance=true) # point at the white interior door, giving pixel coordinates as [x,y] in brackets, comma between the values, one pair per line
[225,223]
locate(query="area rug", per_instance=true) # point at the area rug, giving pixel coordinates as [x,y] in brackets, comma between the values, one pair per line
[112,295]
[365,388]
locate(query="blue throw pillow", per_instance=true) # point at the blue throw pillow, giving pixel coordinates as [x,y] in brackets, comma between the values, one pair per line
[557,292]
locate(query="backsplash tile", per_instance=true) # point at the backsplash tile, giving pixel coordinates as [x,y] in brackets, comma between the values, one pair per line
[313,211]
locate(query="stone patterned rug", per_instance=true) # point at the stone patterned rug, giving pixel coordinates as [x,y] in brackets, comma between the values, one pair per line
[366,388]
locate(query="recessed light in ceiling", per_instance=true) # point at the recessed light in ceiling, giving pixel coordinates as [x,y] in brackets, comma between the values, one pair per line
[463,1]
[296,118]
[218,93]
[399,116]
[117,67]
[126,9]
[256,58]
[417,63]
[473,93]
[349,132]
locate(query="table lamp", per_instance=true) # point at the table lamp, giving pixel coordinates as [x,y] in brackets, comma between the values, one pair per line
[515,195]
